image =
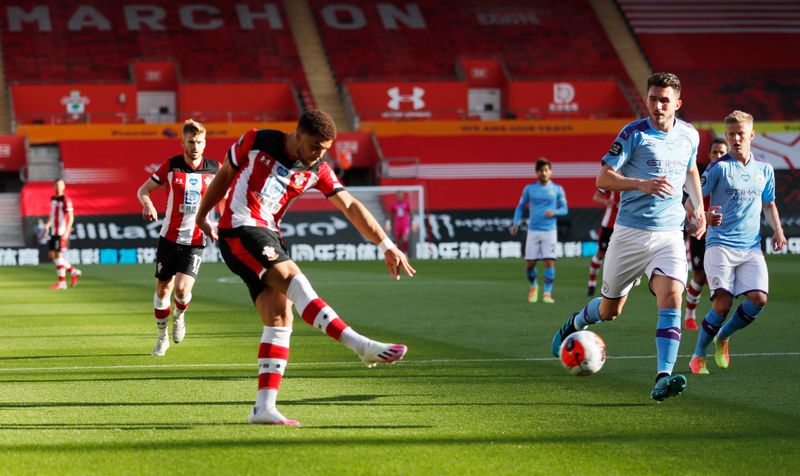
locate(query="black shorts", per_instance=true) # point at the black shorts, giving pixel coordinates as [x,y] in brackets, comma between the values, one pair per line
[249,251]
[605,237]
[697,250]
[172,258]
[55,243]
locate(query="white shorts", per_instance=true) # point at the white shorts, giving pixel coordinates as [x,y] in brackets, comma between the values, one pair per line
[633,252]
[736,271]
[541,245]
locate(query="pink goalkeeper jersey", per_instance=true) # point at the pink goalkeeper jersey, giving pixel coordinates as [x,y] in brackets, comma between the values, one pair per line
[401,212]
[186,187]
[268,180]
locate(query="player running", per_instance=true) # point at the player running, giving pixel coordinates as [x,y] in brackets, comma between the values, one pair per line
[610,200]
[740,186]
[697,246]
[649,162]
[545,201]
[267,170]
[59,227]
[180,246]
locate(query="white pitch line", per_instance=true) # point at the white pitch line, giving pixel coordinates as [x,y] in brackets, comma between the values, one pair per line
[311,364]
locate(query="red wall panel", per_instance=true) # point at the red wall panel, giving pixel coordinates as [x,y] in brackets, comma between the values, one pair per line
[155,75]
[12,153]
[409,100]
[60,102]
[489,172]
[245,102]
[573,99]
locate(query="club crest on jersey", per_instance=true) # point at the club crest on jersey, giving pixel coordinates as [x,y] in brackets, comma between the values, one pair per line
[207,180]
[759,178]
[298,180]
[270,253]
[686,146]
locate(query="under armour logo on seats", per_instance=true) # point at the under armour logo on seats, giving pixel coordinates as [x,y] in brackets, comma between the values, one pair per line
[415,98]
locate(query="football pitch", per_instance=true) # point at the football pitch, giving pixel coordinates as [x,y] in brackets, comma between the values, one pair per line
[478,392]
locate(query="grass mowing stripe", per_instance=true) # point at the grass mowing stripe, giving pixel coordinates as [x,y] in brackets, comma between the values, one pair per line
[323,364]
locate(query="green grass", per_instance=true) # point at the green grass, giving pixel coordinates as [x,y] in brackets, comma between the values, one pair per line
[478,393]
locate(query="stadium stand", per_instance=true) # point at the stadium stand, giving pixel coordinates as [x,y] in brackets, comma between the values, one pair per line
[729,54]
[215,40]
[423,40]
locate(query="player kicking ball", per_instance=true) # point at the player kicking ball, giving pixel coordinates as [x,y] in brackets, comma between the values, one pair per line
[266,171]
[740,186]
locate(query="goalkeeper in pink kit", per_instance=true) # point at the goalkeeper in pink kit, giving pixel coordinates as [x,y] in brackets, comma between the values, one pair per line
[400,221]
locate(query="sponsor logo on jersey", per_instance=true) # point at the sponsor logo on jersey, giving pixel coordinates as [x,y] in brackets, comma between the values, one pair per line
[281,170]
[179,180]
[616,149]
[742,194]
[193,181]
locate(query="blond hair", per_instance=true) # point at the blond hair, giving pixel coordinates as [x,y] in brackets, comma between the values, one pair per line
[739,117]
[190,126]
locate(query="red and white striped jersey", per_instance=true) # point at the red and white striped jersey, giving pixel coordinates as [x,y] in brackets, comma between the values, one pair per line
[186,187]
[268,180]
[610,215]
[60,208]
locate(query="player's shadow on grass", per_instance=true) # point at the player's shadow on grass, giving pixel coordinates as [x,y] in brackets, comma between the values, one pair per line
[118,404]
[74,356]
[180,426]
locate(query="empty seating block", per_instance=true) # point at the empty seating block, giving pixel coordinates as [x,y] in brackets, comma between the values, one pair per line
[418,40]
[95,40]
[729,54]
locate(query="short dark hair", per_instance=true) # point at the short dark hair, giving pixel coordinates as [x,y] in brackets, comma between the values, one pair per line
[542,163]
[717,140]
[59,179]
[318,124]
[665,80]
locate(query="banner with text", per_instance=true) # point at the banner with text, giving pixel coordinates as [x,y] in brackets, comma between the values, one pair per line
[409,100]
[572,99]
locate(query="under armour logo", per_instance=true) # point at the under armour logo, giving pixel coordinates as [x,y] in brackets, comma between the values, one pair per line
[415,98]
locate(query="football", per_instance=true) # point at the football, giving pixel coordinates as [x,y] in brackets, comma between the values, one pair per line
[583,353]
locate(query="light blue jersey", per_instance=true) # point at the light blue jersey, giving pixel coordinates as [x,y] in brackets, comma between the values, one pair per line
[740,190]
[540,198]
[640,151]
